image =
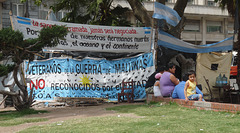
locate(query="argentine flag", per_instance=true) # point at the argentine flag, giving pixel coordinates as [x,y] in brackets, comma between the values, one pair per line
[169,41]
[163,12]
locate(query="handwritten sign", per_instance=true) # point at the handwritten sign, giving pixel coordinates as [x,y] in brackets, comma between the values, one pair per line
[83,37]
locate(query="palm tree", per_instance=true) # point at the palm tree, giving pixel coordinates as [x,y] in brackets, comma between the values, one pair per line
[233,10]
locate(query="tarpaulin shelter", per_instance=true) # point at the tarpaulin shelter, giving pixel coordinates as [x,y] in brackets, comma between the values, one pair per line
[208,64]
[211,65]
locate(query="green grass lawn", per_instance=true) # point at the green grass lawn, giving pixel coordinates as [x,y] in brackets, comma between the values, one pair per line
[150,118]
[11,118]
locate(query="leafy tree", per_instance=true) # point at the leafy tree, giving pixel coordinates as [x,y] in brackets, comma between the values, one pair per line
[231,6]
[100,12]
[14,46]
[97,12]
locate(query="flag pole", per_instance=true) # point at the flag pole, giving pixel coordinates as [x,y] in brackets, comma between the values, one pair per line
[155,39]
[10,15]
[236,20]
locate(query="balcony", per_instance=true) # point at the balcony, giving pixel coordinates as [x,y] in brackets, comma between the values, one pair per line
[189,10]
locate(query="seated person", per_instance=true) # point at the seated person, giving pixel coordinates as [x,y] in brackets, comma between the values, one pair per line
[156,87]
[168,81]
[151,80]
[178,92]
[190,88]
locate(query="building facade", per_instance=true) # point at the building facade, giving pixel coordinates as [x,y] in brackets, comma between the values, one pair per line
[24,9]
[205,21]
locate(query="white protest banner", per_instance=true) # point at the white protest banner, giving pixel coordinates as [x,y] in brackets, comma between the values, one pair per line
[95,78]
[96,38]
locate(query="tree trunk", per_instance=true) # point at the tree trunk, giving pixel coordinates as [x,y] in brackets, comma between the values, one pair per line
[21,99]
[161,1]
[140,12]
[179,7]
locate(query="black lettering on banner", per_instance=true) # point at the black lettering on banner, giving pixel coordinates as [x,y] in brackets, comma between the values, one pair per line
[75,43]
[87,86]
[139,84]
[98,88]
[118,87]
[141,64]
[145,62]
[108,46]
[31,32]
[44,69]
[74,36]
[40,95]
[88,44]
[125,46]
[48,96]
[107,88]
[85,68]
[63,42]
[81,88]
[62,86]
[88,68]
[56,86]
[57,95]
[120,39]
[129,66]
[76,87]
[141,39]
[91,37]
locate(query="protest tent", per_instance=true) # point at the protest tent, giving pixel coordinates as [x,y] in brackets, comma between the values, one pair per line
[212,59]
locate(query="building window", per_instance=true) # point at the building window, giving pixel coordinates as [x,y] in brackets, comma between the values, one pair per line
[18,9]
[230,28]
[190,1]
[211,3]
[214,26]
[43,14]
[60,15]
[192,25]
[169,1]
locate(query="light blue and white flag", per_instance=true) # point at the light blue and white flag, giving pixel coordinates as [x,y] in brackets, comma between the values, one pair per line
[163,12]
[169,41]
[51,16]
[88,77]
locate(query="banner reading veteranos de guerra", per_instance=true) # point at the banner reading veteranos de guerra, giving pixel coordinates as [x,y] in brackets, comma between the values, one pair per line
[90,37]
[88,77]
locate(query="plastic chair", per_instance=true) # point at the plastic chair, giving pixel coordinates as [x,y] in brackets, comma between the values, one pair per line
[127,90]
